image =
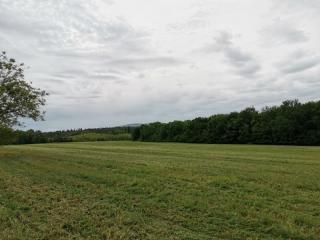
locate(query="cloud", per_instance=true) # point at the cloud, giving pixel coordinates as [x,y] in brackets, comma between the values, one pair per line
[299,61]
[145,63]
[302,65]
[296,5]
[282,32]
[117,62]
[222,41]
[243,63]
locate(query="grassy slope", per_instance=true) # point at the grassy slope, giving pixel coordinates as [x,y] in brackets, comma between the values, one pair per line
[127,190]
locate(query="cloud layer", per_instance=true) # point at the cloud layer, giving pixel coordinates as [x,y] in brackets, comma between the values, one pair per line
[107,63]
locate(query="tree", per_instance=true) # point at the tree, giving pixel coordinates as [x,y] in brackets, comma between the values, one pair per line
[18,98]
[290,123]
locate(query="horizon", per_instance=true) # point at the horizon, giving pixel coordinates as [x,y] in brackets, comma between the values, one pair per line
[147,123]
[120,62]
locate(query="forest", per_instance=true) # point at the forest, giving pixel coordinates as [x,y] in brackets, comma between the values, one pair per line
[10,136]
[291,123]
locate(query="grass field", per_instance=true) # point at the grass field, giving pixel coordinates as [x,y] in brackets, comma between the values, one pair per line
[133,190]
[88,137]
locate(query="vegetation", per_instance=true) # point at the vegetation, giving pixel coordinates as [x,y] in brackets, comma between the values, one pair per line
[292,123]
[101,137]
[8,136]
[18,99]
[135,190]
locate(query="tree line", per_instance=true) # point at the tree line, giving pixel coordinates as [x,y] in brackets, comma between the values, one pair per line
[291,123]
[10,136]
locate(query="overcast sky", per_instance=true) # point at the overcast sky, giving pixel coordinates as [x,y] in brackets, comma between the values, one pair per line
[113,62]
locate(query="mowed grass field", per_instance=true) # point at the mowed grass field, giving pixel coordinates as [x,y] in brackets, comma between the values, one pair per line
[134,190]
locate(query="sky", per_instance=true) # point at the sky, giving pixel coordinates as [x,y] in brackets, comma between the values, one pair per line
[115,62]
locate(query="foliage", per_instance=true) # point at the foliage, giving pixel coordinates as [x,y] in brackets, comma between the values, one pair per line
[291,123]
[137,190]
[18,99]
[8,136]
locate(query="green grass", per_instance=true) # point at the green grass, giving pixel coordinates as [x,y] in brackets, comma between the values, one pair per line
[87,137]
[133,190]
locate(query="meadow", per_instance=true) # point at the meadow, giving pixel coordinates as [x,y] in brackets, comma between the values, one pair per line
[88,137]
[136,190]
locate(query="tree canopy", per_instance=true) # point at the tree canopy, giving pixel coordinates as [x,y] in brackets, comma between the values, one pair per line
[18,98]
[290,123]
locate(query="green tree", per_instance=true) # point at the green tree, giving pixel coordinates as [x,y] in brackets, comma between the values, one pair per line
[18,98]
